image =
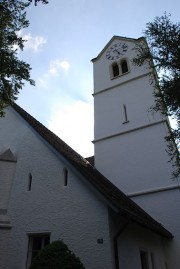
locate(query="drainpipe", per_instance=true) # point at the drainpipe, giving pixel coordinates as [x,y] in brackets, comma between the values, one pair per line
[116,256]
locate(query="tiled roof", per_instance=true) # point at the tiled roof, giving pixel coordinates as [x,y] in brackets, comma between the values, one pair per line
[90,160]
[124,205]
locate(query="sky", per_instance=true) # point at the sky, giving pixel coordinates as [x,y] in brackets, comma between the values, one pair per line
[62,38]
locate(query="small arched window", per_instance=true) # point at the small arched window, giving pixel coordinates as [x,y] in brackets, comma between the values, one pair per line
[29,181]
[124,66]
[115,70]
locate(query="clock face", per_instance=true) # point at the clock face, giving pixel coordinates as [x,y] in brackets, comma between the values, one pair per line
[116,51]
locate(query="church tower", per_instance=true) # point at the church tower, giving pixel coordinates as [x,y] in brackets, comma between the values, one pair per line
[129,143]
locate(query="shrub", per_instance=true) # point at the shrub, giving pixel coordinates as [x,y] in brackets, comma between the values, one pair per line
[56,256]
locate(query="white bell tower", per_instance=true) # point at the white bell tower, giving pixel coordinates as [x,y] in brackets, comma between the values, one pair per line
[130,149]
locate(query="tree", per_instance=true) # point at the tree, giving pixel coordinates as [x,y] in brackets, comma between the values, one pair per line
[56,256]
[13,72]
[162,54]
[36,1]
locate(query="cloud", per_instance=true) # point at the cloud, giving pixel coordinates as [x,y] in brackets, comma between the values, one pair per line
[33,43]
[74,124]
[55,67]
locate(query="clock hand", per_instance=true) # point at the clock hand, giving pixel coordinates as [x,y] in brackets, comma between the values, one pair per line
[117,51]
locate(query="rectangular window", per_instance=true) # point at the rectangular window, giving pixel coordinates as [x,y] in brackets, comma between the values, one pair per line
[36,243]
[152,261]
[144,260]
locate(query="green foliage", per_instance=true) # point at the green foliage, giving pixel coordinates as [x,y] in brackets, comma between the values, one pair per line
[56,256]
[13,72]
[36,1]
[163,56]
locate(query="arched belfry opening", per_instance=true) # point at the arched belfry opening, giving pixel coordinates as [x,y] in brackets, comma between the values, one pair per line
[119,68]
[124,66]
[115,70]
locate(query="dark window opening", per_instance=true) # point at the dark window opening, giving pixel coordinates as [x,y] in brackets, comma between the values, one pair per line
[125,114]
[124,66]
[144,260]
[152,260]
[65,177]
[36,243]
[29,182]
[115,69]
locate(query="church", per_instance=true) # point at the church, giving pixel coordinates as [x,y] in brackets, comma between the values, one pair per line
[116,209]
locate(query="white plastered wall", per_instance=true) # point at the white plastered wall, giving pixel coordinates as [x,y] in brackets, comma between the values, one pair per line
[134,155]
[135,239]
[72,213]
[164,207]
[136,161]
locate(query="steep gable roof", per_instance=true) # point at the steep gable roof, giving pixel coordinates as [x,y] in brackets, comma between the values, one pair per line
[124,205]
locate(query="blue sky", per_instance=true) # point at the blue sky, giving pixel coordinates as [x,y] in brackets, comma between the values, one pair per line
[62,38]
